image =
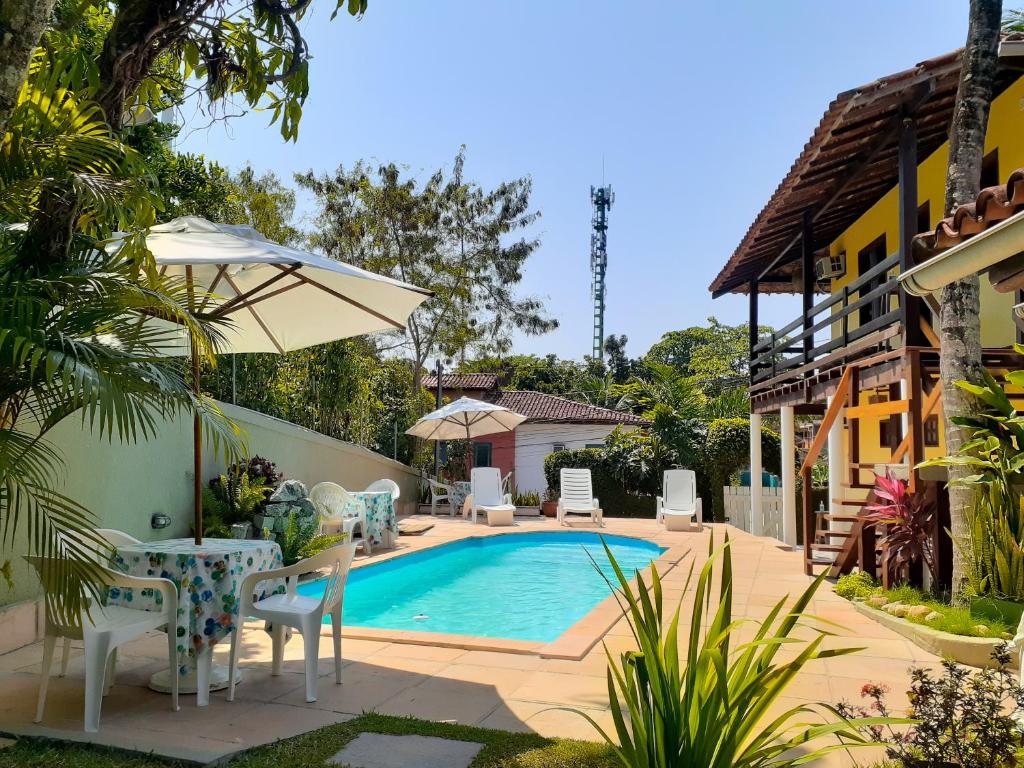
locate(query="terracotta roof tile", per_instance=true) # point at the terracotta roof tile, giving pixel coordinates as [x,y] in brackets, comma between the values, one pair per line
[538,407]
[483,381]
[993,204]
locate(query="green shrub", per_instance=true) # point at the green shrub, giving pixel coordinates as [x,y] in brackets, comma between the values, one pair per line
[856,586]
[727,451]
[614,499]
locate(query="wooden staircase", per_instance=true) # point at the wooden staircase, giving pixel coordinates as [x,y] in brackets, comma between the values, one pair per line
[840,541]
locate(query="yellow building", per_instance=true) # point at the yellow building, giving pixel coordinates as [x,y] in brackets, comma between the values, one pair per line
[862,357]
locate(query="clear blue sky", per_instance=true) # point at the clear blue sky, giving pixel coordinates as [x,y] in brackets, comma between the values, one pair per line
[697,109]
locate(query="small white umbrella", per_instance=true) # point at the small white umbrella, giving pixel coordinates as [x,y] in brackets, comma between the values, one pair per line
[465,418]
[276,298]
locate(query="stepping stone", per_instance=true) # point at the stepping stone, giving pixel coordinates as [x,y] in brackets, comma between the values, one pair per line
[379,750]
[414,527]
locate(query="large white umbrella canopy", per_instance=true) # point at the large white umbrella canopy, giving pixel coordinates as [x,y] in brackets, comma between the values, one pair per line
[274,298]
[465,418]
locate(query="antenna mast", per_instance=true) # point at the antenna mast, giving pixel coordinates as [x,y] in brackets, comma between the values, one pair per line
[602,198]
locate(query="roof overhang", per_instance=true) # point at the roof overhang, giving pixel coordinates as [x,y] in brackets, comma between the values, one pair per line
[997,251]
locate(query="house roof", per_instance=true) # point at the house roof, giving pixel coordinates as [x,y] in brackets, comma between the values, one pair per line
[992,205]
[847,165]
[465,381]
[539,407]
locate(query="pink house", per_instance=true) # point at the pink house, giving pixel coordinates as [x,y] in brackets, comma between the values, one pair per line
[552,424]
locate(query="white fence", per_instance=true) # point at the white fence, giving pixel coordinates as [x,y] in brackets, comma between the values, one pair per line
[737,510]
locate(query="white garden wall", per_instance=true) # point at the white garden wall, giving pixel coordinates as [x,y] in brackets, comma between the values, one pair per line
[125,484]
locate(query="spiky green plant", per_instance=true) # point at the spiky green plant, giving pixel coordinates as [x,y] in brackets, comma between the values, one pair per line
[711,705]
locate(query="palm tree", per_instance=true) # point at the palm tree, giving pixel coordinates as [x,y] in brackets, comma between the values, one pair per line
[959,302]
[74,336]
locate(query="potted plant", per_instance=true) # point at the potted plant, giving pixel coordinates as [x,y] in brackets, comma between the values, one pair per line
[526,503]
[550,504]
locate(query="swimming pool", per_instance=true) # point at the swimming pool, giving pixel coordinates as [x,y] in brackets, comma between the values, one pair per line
[525,586]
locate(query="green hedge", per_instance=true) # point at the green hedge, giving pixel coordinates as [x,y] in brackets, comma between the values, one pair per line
[727,450]
[615,502]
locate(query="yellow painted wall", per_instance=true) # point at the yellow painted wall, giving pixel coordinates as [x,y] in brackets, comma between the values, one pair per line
[1005,132]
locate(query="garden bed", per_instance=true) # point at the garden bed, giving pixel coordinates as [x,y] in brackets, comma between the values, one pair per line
[966,634]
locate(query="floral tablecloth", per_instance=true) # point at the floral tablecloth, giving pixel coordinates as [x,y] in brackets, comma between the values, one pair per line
[460,490]
[208,578]
[381,521]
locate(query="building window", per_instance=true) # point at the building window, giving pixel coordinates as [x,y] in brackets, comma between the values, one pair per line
[595,445]
[558,447]
[931,431]
[481,454]
[884,434]
[868,258]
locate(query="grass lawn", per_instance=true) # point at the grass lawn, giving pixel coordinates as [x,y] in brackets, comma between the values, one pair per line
[501,749]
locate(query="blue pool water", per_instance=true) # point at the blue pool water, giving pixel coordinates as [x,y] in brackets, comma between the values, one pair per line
[526,586]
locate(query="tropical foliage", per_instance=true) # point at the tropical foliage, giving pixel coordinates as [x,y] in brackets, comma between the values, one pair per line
[993,460]
[71,336]
[963,718]
[698,696]
[908,519]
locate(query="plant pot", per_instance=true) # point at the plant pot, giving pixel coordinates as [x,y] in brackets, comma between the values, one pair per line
[549,508]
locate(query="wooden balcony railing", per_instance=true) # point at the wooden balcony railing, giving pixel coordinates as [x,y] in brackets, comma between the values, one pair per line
[793,346]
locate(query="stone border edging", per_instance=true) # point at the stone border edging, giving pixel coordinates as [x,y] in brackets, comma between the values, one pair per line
[973,651]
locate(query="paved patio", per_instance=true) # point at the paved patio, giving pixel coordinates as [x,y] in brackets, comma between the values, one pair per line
[512,691]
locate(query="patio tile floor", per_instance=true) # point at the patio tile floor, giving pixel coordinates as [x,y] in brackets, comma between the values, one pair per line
[517,692]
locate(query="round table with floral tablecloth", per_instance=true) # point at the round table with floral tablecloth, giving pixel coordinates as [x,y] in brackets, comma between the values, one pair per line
[381,520]
[208,576]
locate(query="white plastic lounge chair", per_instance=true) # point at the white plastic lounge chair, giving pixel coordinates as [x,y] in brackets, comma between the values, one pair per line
[104,628]
[506,483]
[440,492]
[334,506]
[679,507]
[577,497]
[304,613]
[385,486]
[488,498]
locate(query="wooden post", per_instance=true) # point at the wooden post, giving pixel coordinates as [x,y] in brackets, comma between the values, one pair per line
[807,258]
[752,327]
[853,399]
[910,306]
[915,452]
[866,559]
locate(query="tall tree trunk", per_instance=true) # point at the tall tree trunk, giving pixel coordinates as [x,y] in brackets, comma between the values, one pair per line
[21,26]
[960,306]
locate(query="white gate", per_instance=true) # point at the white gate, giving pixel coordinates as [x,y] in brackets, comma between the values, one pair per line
[737,510]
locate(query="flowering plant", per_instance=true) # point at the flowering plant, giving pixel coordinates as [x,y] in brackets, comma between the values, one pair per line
[909,518]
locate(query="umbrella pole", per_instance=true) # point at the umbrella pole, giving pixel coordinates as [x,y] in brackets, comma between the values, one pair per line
[197,431]
[197,454]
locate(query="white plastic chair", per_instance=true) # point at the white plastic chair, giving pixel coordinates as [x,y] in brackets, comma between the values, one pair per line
[114,538]
[577,497]
[506,483]
[385,485]
[679,506]
[488,498]
[334,507]
[301,612]
[104,628]
[440,492]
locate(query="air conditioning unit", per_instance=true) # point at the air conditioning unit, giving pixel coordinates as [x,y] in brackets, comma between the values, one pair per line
[830,267]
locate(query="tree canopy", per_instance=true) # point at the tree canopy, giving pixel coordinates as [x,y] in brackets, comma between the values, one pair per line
[465,243]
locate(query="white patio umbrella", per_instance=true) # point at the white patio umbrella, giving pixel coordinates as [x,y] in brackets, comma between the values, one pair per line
[465,418]
[276,298]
